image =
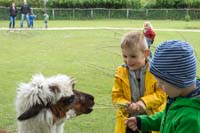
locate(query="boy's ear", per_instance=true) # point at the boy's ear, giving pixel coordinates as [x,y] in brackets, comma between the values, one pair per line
[147,53]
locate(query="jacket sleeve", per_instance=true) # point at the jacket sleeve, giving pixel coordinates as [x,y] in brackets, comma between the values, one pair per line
[184,127]
[151,122]
[118,93]
[155,97]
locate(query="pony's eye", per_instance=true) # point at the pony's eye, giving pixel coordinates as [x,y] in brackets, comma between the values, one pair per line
[68,100]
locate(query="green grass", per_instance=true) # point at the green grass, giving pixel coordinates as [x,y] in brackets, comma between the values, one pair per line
[90,56]
[164,24]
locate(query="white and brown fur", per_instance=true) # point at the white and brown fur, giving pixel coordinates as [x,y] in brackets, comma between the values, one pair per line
[45,103]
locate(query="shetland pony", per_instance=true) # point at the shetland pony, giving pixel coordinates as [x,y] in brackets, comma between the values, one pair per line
[45,103]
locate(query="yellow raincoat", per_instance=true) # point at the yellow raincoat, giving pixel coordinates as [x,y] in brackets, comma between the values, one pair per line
[154,98]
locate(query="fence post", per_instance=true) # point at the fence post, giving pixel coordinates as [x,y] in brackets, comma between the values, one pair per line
[109,13]
[53,13]
[187,11]
[167,13]
[127,13]
[73,13]
[91,13]
[147,12]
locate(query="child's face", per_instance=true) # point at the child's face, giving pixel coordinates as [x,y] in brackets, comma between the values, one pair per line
[146,26]
[135,58]
[170,90]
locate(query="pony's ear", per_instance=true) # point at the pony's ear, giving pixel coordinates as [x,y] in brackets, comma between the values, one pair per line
[31,112]
[73,82]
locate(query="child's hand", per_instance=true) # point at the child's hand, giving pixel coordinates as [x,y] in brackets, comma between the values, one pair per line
[138,107]
[132,107]
[131,123]
[142,106]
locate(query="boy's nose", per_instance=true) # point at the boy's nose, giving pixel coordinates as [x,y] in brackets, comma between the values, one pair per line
[128,61]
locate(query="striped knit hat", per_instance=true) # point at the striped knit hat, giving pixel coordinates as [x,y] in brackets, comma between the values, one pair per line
[174,62]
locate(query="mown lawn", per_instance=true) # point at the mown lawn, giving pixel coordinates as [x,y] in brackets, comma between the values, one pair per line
[90,56]
[164,24]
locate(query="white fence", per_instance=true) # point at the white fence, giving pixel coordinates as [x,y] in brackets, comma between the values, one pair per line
[102,13]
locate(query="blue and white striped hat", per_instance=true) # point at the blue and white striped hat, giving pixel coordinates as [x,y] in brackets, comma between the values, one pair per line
[174,62]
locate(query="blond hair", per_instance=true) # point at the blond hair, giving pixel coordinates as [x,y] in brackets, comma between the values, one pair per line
[147,23]
[134,40]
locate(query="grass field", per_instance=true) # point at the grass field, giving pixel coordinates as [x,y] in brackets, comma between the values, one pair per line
[164,24]
[90,56]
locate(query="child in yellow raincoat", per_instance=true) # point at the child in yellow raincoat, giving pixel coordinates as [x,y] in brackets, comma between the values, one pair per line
[134,86]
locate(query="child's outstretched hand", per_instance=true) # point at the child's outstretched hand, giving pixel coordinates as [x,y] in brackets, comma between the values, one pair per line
[138,107]
[132,107]
[132,123]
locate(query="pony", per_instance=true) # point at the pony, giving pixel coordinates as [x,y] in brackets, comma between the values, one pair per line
[45,103]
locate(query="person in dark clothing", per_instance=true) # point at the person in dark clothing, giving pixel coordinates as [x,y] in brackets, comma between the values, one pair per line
[25,11]
[13,14]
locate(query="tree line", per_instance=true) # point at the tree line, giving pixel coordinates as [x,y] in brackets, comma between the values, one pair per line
[114,4]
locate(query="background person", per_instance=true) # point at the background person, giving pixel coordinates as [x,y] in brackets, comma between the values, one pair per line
[31,20]
[13,14]
[25,11]
[134,85]
[46,19]
[149,34]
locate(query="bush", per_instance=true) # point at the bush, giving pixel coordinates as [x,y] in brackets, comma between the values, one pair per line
[187,18]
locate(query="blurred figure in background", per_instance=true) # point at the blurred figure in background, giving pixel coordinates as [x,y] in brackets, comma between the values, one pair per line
[25,12]
[149,34]
[13,14]
[32,17]
[46,19]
